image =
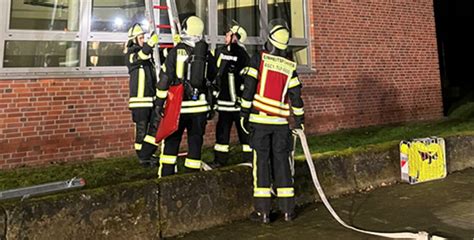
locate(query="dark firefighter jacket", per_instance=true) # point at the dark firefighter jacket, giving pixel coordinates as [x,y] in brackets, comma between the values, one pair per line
[141,68]
[230,62]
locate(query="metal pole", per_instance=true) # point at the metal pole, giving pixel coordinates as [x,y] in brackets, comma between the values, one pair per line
[53,15]
[72,25]
[201,9]
[212,24]
[42,189]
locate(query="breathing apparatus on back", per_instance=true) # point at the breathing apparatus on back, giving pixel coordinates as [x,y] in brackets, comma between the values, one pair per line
[192,33]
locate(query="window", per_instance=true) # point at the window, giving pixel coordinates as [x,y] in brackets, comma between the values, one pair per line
[300,55]
[245,13]
[292,12]
[116,16]
[105,54]
[41,54]
[87,37]
[188,8]
[44,15]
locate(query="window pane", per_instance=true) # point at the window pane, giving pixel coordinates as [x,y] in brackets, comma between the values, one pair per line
[105,54]
[253,49]
[292,12]
[45,15]
[117,15]
[300,55]
[185,9]
[120,15]
[41,54]
[188,8]
[245,12]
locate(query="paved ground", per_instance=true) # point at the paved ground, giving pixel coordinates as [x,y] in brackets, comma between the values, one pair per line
[445,207]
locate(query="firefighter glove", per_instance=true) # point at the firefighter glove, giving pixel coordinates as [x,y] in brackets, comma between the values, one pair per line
[159,107]
[153,40]
[299,123]
[216,84]
[211,114]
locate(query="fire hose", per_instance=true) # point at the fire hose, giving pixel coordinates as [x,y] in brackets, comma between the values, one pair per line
[397,235]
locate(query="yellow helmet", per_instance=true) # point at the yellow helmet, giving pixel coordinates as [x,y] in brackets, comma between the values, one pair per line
[193,26]
[240,31]
[135,31]
[279,37]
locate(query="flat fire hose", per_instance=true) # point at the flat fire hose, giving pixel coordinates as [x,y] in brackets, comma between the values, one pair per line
[206,166]
[317,184]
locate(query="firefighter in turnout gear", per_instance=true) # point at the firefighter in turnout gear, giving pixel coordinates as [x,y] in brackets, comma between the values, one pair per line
[140,63]
[191,64]
[272,91]
[231,59]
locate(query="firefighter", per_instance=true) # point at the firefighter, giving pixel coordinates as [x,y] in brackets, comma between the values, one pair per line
[140,63]
[191,64]
[272,90]
[231,59]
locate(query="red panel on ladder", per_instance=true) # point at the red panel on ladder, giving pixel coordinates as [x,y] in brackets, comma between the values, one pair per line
[167,26]
[161,7]
[166,45]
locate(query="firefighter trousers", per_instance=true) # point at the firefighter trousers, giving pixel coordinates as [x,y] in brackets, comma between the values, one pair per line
[195,125]
[223,130]
[146,123]
[271,166]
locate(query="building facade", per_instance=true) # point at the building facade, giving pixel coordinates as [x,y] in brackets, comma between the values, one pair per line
[64,86]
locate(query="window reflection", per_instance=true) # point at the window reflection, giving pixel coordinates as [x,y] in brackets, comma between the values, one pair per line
[105,54]
[45,15]
[245,12]
[117,15]
[292,12]
[41,54]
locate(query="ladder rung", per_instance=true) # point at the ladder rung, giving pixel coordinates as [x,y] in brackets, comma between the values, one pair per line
[160,7]
[163,26]
[166,46]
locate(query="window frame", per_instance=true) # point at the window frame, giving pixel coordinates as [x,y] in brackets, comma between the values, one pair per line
[84,35]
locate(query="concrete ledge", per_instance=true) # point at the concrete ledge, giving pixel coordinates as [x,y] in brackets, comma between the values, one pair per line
[460,152]
[183,203]
[197,201]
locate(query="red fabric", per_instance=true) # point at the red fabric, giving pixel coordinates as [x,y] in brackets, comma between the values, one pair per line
[169,123]
[276,83]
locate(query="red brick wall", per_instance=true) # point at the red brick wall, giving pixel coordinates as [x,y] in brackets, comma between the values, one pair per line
[50,120]
[376,62]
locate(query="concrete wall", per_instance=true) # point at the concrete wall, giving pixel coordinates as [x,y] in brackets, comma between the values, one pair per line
[190,202]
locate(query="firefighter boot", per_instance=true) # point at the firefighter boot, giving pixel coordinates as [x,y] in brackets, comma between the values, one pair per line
[288,217]
[260,217]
